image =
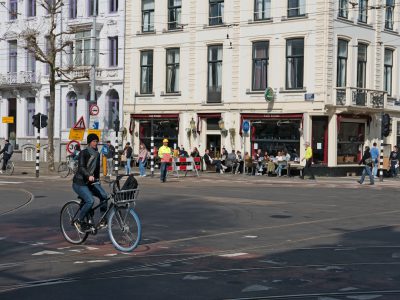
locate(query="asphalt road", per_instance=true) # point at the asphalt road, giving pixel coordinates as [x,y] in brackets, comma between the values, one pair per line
[216,237]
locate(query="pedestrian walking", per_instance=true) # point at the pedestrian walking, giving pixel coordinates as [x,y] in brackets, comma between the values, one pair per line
[128,156]
[7,152]
[142,158]
[394,162]
[308,157]
[368,165]
[165,155]
[108,152]
[375,155]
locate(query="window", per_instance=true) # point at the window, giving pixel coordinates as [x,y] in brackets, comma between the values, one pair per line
[113,5]
[13,9]
[31,8]
[71,109]
[113,107]
[162,128]
[173,70]
[296,8]
[363,11]
[12,53]
[146,72]
[389,14]
[262,9]
[344,8]
[216,12]
[214,74]
[260,66]
[351,139]
[362,65]
[93,8]
[387,72]
[174,14]
[113,43]
[398,133]
[83,48]
[342,63]
[73,9]
[147,15]
[294,63]
[30,105]
[30,61]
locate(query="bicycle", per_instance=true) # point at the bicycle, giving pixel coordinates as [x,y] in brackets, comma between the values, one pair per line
[9,167]
[124,227]
[68,167]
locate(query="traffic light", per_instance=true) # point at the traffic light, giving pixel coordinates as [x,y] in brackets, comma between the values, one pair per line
[43,121]
[36,120]
[386,125]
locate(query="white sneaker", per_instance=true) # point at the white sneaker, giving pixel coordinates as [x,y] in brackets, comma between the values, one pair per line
[223,167]
[144,175]
[221,171]
[1,171]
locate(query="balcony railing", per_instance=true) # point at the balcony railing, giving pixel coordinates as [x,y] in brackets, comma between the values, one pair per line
[360,97]
[19,78]
[101,74]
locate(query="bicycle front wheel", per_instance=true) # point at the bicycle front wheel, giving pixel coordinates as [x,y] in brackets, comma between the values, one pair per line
[63,170]
[124,229]
[69,213]
[10,168]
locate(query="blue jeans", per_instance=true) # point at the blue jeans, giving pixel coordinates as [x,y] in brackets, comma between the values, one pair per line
[163,171]
[393,169]
[142,167]
[87,193]
[128,166]
[367,170]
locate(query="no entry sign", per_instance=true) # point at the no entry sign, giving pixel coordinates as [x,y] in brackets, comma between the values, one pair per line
[71,146]
[94,110]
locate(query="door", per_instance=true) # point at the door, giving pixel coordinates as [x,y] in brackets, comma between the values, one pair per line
[12,112]
[320,140]
[214,145]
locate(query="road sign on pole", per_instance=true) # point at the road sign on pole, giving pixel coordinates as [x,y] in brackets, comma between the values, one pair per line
[80,124]
[71,146]
[94,110]
[246,126]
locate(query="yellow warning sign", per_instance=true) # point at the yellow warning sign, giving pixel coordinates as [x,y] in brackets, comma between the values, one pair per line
[9,120]
[76,134]
[95,131]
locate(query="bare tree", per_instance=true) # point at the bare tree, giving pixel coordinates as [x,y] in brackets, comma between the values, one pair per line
[58,41]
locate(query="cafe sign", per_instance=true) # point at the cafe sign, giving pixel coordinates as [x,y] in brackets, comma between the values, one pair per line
[269,94]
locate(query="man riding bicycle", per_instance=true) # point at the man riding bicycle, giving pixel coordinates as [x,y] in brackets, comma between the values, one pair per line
[7,152]
[87,174]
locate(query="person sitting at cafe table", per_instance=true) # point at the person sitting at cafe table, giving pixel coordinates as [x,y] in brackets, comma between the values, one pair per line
[281,161]
[219,167]
[258,162]
[231,159]
[239,165]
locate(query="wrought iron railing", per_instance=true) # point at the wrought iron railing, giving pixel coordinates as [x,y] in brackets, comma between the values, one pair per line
[360,97]
[19,78]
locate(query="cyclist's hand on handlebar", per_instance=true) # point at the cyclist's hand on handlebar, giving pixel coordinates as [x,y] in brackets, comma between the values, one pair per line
[91,178]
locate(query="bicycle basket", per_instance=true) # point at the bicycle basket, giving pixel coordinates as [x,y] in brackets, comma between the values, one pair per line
[125,189]
[125,196]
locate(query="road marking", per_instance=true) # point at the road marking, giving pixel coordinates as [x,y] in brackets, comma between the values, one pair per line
[47,252]
[250,236]
[233,254]
[256,288]
[194,277]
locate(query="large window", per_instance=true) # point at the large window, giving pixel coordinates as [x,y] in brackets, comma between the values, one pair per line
[389,14]
[73,9]
[216,12]
[260,66]
[72,100]
[173,57]
[387,72]
[296,8]
[262,9]
[174,14]
[342,56]
[31,8]
[146,72]
[350,142]
[363,11]
[93,8]
[344,8]
[113,107]
[147,15]
[214,74]
[113,5]
[83,48]
[12,54]
[30,107]
[30,61]
[294,63]
[13,9]
[362,65]
[113,45]
[162,128]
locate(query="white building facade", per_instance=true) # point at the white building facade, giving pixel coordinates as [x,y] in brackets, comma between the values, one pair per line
[196,69]
[24,88]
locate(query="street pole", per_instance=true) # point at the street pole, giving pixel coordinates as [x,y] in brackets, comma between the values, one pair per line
[93,62]
[152,150]
[381,155]
[116,166]
[38,147]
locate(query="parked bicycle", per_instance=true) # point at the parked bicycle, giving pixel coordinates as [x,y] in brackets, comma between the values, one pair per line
[68,167]
[9,167]
[124,227]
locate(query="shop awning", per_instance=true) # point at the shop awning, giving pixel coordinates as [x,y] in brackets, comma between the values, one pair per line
[268,116]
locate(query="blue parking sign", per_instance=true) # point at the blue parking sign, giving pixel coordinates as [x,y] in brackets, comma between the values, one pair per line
[246,126]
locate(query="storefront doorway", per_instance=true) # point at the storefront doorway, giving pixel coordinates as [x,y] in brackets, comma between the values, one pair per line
[214,145]
[320,140]
[12,112]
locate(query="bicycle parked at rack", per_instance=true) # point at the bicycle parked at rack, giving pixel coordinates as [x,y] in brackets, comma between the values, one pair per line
[68,167]
[124,227]
[9,167]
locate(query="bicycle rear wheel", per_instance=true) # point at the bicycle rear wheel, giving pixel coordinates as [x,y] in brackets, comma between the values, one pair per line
[69,213]
[124,228]
[63,170]
[10,168]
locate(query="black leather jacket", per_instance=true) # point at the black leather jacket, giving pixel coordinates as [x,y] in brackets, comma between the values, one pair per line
[81,177]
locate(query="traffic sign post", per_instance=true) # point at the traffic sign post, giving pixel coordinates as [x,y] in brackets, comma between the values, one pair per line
[8,120]
[246,129]
[71,146]
[94,110]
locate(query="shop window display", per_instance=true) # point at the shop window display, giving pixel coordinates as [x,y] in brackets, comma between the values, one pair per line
[351,139]
[161,129]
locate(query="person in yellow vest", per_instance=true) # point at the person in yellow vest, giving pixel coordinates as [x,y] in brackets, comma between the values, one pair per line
[165,155]
[308,157]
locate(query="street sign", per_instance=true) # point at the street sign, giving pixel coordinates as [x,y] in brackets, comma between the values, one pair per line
[76,134]
[8,120]
[80,124]
[246,126]
[94,110]
[71,146]
[95,131]
[269,94]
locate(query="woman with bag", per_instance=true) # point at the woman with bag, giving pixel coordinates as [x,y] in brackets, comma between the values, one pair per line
[127,154]
[369,164]
[142,158]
